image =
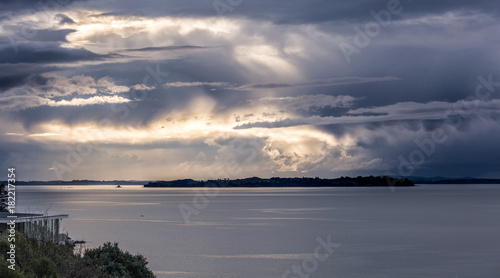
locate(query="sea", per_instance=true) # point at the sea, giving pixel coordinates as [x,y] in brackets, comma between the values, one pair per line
[423,231]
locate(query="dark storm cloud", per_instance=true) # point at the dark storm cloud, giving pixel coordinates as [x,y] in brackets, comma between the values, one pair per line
[319,83]
[279,11]
[15,80]
[427,72]
[35,5]
[284,70]
[465,147]
[29,155]
[46,52]
[291,12]
[15,75]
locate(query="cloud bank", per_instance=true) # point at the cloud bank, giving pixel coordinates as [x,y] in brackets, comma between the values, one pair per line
[155,90]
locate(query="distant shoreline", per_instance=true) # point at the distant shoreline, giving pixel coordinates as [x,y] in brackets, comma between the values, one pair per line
[287,182]
[194,183]
[80,182]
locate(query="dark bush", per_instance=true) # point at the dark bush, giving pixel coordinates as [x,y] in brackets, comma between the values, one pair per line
[43,267]
[44,259]
[117,263]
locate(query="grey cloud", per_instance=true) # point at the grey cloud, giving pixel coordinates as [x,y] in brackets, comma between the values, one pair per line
[170,47]
[462,107]
[35,5]
[298,12]
[49,35]
[46,53]
[15,103]
[320,82]
[54,90]
[399,112]
[137,113]
[16,75]
[432,54]
[64,19]
[305,102]
[8,81]
[194,84]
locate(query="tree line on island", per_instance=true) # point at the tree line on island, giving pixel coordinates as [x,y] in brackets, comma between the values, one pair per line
[391,181]
[370,181]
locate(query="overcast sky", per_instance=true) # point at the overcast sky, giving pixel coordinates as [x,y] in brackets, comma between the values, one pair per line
[108,89]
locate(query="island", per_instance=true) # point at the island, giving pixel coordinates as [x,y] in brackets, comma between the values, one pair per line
[359,181]
[275,182]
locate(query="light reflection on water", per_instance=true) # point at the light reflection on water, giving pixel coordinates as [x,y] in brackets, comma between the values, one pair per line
[426,231]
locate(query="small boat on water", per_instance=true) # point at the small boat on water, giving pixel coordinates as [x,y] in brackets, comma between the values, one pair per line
[118,186]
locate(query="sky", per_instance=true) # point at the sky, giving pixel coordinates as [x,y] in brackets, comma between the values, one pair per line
[147,90]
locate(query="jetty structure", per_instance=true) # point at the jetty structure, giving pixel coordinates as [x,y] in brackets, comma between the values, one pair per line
[40,226]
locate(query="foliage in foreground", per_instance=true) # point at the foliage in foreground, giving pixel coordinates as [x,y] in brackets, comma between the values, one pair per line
[4,198]
[117,263]
[42,259]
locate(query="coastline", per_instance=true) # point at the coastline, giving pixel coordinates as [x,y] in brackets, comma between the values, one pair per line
[256,182]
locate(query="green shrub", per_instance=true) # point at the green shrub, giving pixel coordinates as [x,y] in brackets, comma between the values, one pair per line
[117,263]
[43,259]
[5,272]
[4,198]
[43,267]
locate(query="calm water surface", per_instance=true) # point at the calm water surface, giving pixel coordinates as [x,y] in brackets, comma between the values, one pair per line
[427,231]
